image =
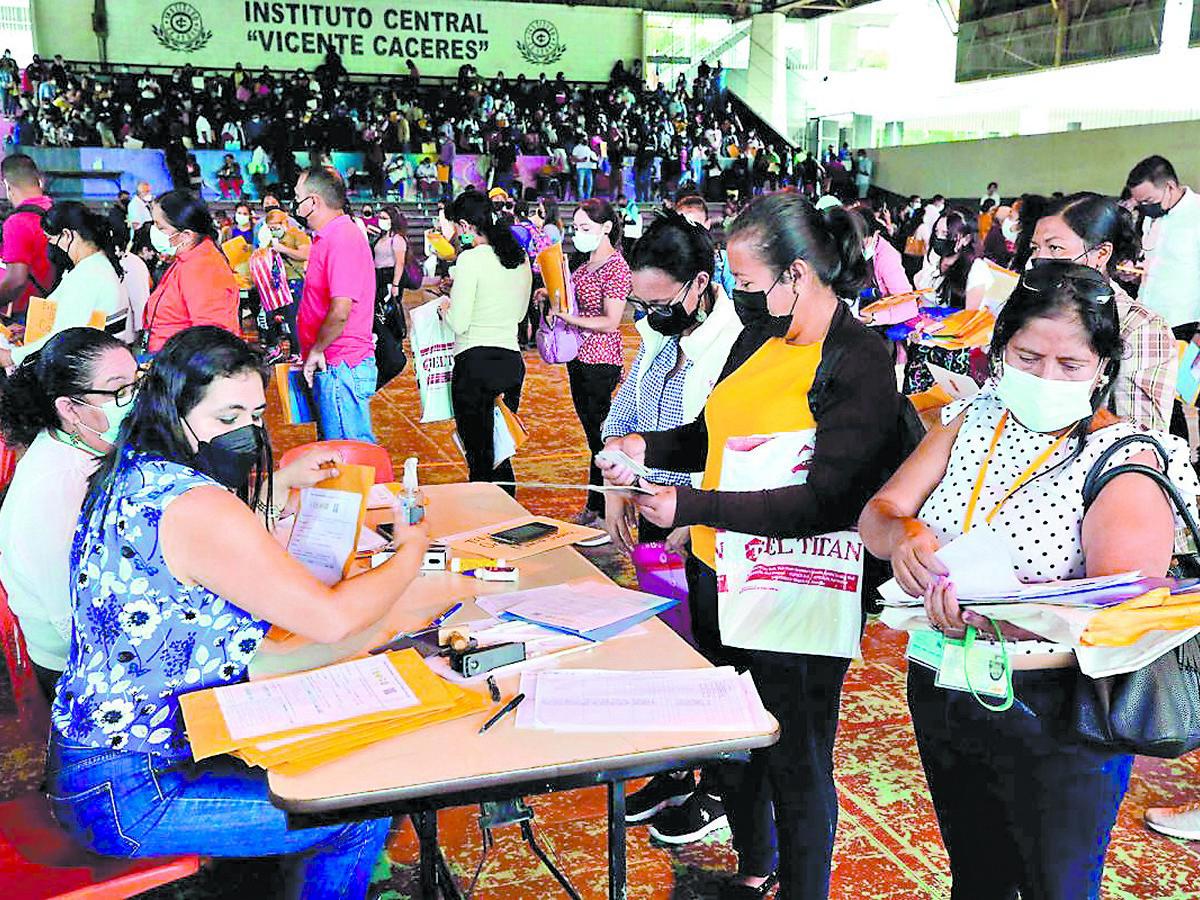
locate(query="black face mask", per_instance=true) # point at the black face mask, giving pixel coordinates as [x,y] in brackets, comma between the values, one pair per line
[942,246]
[752,310]
[59,258]
[230,457]
[673,319]
[1152,210]
[301,220]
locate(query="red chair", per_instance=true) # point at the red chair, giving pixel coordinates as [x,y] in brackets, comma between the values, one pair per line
[37,858]
[357,452]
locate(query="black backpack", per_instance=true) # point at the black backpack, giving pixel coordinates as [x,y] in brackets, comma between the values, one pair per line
[42,290]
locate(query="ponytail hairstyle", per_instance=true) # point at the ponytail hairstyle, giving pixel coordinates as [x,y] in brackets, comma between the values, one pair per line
[678,248]
[1099,220]
[474,208]
[187,212]
[600,211]
[953,289]
[91,228]
[785,226]
[63,367]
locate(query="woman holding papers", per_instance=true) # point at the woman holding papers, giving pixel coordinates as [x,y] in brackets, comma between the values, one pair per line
[64,404]
[1022,805]
[793,440]
[489,297]
[175,582]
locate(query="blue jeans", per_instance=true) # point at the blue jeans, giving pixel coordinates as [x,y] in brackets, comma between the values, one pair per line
[583,183]
[118,804]
[342,397]
[1021,805]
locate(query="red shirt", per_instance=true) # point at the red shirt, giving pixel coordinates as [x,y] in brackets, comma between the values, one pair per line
[197,289]
[24,241]
[611,281]
[340,264]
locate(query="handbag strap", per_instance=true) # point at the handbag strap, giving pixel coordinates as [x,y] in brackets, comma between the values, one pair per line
[1098,477]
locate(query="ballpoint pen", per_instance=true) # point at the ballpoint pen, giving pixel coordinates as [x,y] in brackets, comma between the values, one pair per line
[404,637]
[438,621]
[505,710]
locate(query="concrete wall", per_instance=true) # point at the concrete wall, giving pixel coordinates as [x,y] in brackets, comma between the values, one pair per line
[1067,161]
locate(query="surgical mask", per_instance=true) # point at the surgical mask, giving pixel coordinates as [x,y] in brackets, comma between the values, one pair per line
[113,413]
[586,241]
[242,219]
[296,214]
[229,458]
[869,250]
[752,310]
[59,258]
[1152,210]
[384,224]
[277,233]
[1010,229]
[160,242]
[673,319]
[942,246]
[1043,404]
[466,239]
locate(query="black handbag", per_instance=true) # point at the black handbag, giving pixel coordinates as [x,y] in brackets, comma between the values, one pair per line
[1155,710]
[389,331]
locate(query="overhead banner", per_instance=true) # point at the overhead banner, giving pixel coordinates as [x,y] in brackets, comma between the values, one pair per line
[371,36]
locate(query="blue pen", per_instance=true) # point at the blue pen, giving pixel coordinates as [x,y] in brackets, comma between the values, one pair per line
[440,620]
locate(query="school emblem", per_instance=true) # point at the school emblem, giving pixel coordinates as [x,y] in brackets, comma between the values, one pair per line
[181,28]
[541,45]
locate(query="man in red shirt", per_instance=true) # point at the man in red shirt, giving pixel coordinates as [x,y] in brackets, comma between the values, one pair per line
[27,269]
[337,310]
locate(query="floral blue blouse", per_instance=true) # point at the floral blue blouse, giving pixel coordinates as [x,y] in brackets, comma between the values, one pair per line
[141,637]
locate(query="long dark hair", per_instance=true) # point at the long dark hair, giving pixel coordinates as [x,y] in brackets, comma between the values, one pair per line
[1099,220]
[399,229]
[784,227]
[475,209]
[1032,208]
[175,383]
[600,211]
[92,228]
[953,289]
[675,246]
[187,212]
[63,367]
[1066,290]
[550,205]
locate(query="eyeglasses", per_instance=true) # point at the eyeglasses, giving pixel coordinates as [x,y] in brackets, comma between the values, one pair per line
[1053,274]
[123,396]
[648,306]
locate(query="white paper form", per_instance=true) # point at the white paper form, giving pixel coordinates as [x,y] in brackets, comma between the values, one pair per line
[594,700]
[575,606]
[977,561]
[310,699]
[325,532]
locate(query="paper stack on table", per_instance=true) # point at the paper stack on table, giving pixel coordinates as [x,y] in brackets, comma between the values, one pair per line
[595,610]
[964,329]
[294,723]
[593,700]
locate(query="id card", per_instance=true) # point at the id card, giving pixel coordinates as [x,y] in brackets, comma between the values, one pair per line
[925,647]
[987,668]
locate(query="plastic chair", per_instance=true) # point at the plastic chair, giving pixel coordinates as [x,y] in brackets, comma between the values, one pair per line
[38,859]
[357,452]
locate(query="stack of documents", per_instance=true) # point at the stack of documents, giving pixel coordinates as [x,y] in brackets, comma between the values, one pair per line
[894,309]
[296,722]
[965,328]
[594,700]
[590,609]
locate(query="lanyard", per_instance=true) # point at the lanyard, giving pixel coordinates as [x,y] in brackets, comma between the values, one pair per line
[1021,481]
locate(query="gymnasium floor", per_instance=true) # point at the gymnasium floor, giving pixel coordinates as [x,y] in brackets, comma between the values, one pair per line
[888,844]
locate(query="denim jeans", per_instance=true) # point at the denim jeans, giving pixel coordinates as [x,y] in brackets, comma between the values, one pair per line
[583,183]
[1020,804]
[118,803]
[342,397]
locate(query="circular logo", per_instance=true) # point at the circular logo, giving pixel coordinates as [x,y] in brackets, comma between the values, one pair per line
[541,44]
[181,28]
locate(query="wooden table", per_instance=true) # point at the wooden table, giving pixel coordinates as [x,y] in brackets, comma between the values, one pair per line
[450,764]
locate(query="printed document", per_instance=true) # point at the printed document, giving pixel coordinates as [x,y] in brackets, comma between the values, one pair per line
[325,533]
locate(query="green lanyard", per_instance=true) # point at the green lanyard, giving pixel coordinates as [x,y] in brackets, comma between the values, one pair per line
[968,643]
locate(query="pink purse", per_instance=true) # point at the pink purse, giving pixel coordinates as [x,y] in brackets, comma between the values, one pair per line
[557,342]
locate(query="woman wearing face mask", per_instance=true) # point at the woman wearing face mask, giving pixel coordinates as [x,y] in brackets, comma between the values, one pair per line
[1095,231]
[82,248]
[959,278]
[601,283]
[392,254]
[1022,805]
[64,403]
[1000,243]
[883,260]
[198,287]
[489,296]
[167,590]
[282,256]
[792,264]
[242,226]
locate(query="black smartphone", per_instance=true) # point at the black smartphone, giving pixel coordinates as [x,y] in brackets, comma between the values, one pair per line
[523,534]
[387,530]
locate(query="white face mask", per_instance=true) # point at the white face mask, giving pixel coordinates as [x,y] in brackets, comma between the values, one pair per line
[385,225]
[1010,229]
[586,241]
[242,219]
[869,249]
[160,242]
[1044,404]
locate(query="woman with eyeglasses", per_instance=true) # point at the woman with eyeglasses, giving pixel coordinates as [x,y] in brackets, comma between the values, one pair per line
[64,403]
[1022,804]
[198,287]
[167,572]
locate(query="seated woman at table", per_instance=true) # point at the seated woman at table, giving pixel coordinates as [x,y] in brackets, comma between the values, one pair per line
[792,263]
[175,582]
[1022,804]
[64,404]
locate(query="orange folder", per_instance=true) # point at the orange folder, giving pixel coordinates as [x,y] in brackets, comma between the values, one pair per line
[557,277]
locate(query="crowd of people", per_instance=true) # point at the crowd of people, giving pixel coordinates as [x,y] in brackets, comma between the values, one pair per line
[748,326]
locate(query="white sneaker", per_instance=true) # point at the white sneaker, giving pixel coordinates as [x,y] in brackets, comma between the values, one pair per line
[1176,821]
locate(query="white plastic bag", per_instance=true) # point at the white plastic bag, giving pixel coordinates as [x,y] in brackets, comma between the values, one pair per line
[433,361]
[788,595]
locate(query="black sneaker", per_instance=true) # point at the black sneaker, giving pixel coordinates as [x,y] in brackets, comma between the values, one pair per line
[697,816]
[661,792]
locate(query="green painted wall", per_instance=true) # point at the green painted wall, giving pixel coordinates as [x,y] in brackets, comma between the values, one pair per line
[371,35]
[1067,161]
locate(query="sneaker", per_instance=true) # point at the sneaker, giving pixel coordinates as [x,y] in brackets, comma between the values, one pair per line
[697,816]
[661,792]
[1176,821]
